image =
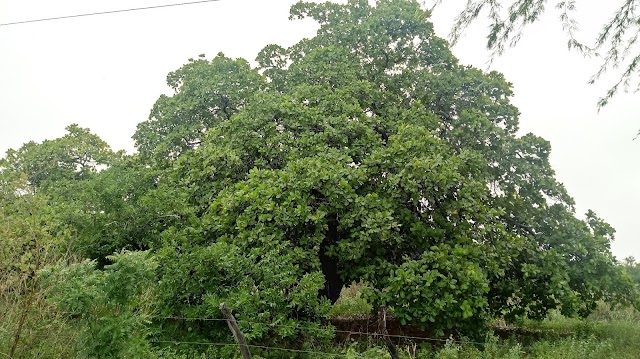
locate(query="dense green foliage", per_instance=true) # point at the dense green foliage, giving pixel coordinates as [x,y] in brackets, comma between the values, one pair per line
[365,154]
[110,306]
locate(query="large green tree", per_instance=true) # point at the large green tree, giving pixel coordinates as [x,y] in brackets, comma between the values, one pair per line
[368,152]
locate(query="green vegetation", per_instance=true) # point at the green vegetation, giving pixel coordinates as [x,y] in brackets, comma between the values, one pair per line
[366,154]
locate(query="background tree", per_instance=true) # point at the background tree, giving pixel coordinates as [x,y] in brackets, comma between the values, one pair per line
[633,268]
[75,156]
[123,207]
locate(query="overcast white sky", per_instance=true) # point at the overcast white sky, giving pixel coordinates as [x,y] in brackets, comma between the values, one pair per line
[105,73]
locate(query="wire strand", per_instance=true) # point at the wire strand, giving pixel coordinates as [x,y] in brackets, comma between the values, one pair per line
[249,346]
[298,326]
[107,12]
[373,334]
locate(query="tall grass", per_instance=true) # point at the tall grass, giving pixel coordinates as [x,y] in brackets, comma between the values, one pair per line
[44,333]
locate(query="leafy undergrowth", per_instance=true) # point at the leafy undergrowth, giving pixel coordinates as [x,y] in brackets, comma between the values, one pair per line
[564,338]
[607,333]
[351,304]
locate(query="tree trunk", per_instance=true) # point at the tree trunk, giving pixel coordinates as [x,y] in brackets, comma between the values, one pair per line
[333,283]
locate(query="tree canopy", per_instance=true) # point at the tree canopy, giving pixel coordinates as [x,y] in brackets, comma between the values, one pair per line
[369,153]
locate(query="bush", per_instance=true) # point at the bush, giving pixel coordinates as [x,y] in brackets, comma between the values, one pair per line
[110,306]
[273,300]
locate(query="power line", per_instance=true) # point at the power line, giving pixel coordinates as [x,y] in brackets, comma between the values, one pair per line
[108,12]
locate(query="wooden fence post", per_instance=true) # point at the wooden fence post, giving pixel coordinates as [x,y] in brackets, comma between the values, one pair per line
[237,333]
[382,328]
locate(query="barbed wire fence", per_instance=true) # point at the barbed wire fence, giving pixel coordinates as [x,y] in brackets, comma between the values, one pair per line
[347,333]
[377,336]
[309,328]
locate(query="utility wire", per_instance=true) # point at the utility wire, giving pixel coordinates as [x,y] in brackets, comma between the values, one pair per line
[108,12]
